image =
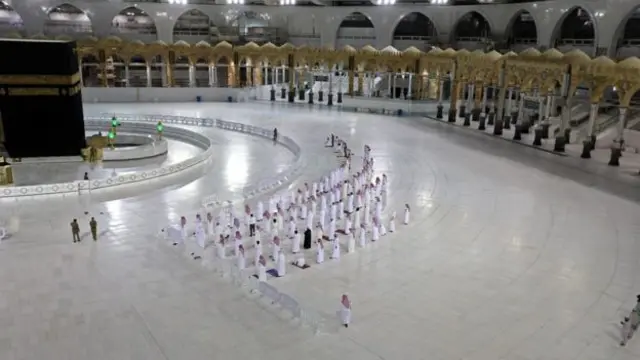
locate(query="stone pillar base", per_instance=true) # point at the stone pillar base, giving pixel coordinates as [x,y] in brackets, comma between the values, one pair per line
[292,96]
[616,153]
[301,94]
[320,96]
[439,112]
[517,135]
[559,144]
[330,100]
[524,127]
[497,129]
[463,111]
[475,114]
[537,138]
[283,93]
[586,150]
[492,117]
[482,126]
[273,95]
[514,118]
[545,131]
[507,122]
[310,98]
[339,98]
[452,115]
[567,136]
[467,120]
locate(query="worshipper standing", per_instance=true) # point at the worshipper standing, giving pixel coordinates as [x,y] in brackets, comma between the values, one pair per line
[407,213]
[237,242]
[335,254]
[258,253]
[75,231]
[260,212]
[351,242]
[209,224]
[347,224]
[240,260]
[275,135]
[345,312]
[221,250]
[275,248]
[356,221]
[363,235]
[282,264]
[252,225]
[307,238]
[309,221]
[383,229]
[392,222]
[319,251]
[200,239]
[295,244]
[262,268]
[375,230]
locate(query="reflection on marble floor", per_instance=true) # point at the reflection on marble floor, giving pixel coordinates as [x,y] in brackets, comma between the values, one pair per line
[512,254]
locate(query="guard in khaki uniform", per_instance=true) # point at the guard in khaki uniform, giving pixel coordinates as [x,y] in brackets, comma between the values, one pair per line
[93,224]
[75,230]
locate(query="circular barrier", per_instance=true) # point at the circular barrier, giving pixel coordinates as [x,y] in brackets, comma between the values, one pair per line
[147,123]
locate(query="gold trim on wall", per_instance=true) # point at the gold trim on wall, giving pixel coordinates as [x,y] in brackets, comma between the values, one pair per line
[58,80]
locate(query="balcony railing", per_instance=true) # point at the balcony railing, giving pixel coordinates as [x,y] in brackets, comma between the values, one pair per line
[575,42]
[413,38]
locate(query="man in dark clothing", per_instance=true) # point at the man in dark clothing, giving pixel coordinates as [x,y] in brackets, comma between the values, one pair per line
[275,135]
[307,239]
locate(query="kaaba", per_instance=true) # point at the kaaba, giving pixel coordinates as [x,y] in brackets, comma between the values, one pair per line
[40,99]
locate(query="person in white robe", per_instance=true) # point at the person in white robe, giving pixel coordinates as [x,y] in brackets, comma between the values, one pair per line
[367,216]
[407,214]
[280,224]
[378,208]
[183,231]
[275,248]
[323,203]
[345,311]
[303,211]
[383,229]
[322,218]
[351,243]
[200,240]
[375,231]
[347,225]
[335,254]
[295,245]
[274,229]
[320,231]
[392,222]
[356,219]
[267,224]
[292,227]
[260,211]
[334,211]
[237,242]
[332,227]
[340,209]
[350,203]
[314,187]
[314,206]
[363,236]
[210,225]
[240,259]
[282,264]
[221,248]
[258,253]
[262,268]
[319,251]
[309,221]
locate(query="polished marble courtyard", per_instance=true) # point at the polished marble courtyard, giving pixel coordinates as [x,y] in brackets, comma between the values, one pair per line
[512,253]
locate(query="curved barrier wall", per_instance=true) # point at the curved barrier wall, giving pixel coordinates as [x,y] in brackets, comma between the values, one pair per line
[147,123]
[145,146]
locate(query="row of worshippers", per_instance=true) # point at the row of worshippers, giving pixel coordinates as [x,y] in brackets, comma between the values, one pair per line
[357,191]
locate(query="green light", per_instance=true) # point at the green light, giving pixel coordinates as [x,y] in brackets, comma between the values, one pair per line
[111,135]
[160,127]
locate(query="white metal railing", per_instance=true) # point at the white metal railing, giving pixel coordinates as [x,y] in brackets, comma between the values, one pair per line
[78,187]
[531,41]
[414,38]
[356,37]
[575,41]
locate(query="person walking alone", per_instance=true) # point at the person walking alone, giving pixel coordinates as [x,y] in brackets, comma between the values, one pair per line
[75,230]
[93,224]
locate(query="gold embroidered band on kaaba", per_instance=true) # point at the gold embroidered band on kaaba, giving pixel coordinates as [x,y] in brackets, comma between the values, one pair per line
[38,91]
[48,80]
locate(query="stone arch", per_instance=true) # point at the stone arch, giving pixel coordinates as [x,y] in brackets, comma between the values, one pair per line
[200,27]
[356,29]
[476,21]
[574,15]
[413,29]
[67,19]
[133,21]
[11,19]
[520,32]
[625,39]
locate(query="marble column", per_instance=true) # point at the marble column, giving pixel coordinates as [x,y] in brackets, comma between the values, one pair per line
[389,87]
[409,86]
[618,143]
[148,69]
[439,113]
[127,75]
[192,76]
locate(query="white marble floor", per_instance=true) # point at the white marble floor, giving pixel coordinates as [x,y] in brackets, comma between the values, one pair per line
[511,254]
